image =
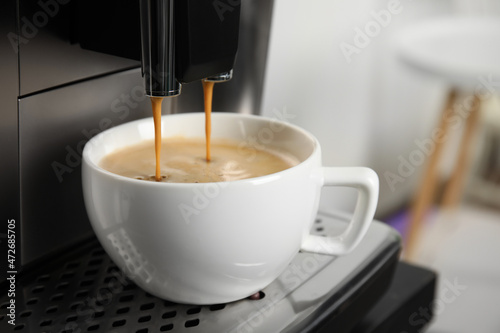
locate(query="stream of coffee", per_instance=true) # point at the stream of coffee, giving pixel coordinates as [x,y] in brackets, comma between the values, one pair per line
[208,89]
[156,103]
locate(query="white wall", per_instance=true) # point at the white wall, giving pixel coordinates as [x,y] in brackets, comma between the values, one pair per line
[476,7]
[365,108]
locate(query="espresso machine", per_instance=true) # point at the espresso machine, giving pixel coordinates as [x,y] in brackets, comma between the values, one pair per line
[73,68]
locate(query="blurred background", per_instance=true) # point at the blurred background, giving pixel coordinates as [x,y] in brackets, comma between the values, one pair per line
[387,84]
[368,107]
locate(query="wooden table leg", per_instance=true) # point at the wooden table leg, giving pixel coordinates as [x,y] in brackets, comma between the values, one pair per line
[425,194]
[454,188]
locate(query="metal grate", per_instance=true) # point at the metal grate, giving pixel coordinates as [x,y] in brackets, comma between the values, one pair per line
[90,294]
[84,291]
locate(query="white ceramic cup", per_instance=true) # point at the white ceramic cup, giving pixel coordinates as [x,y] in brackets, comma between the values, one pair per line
[217,242]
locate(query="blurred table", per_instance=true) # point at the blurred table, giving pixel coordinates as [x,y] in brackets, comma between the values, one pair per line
[465,53]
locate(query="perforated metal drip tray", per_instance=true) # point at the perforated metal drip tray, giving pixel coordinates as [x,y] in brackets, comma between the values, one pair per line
[84,291]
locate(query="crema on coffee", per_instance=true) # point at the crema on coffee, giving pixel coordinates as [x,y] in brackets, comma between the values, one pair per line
[184,161]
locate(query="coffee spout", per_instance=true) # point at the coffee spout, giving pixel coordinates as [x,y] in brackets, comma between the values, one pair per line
[221,77]
[184,41]
[158,48]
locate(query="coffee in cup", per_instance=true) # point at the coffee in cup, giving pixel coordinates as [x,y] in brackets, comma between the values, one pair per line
[184,161]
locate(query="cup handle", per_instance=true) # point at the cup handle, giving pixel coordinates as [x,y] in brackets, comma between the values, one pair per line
[366,181]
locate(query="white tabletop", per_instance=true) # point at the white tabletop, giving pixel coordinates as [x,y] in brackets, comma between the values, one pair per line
[464,51]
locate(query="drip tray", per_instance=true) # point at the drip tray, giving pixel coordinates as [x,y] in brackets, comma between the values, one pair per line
[84,291]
